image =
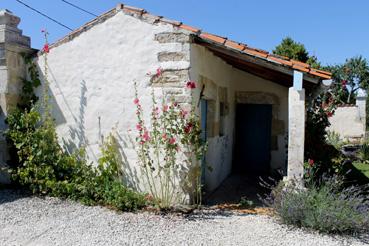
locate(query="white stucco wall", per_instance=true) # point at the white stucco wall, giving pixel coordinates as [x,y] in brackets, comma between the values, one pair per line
[220,149]
[92,82]
[348,123]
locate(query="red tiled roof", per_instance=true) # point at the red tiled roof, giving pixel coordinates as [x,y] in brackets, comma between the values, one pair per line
[222,41]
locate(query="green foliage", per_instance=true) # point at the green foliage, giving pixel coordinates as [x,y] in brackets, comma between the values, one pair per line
[46,169]
[329,208]
[246,203]
[28,97]
[363,168]
[364,152]
[291,49]
[349,77]
[297,51]
[316,146]
[334,139]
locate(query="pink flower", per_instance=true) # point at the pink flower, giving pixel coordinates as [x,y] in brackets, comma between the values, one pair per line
[165,108]
[311,162]
[188,128]
[165,136]
[172,140]
[139,127]
[46,48]
[156,111]
[159,72]
[183,113]
[191,85]
[136,101]
[146,136]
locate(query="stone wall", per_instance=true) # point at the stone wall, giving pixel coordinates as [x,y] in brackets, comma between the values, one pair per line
[13,45]
[349,121]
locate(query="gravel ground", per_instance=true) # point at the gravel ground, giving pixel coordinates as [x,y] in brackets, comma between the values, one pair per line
[50,221]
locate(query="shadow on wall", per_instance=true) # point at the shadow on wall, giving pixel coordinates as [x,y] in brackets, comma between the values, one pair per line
[77,138]
[130,177]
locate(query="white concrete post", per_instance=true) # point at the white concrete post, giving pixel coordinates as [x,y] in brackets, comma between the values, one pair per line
[12,70]
[296,130]
[361,104]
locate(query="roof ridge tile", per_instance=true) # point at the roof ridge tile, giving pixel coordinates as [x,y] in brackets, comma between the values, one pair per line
[134,11]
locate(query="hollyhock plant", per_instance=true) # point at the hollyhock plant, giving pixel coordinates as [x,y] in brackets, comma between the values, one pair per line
[159,72]
[191,85]
[172,141]
[46,48]
[170,147]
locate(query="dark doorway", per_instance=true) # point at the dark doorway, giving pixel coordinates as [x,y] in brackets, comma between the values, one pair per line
[253,139]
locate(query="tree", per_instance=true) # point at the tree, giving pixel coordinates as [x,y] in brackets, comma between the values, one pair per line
[297,51]
[349,77]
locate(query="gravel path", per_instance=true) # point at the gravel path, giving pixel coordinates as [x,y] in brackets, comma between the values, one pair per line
[50,221]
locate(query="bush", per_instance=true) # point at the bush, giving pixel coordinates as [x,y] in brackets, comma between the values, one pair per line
[46,169]
[328,208]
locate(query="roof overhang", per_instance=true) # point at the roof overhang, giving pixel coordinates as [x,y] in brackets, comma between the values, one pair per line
[255,65]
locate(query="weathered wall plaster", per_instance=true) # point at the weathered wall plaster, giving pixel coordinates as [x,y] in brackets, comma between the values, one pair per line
[92,81]
[218,74]
[348,123]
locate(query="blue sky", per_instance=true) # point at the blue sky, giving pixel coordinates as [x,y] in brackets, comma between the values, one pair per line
[333,30]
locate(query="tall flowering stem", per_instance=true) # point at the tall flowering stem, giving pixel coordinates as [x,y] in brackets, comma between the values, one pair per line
[45,104]
[170,149]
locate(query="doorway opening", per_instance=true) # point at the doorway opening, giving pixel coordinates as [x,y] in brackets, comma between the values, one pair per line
[253,139]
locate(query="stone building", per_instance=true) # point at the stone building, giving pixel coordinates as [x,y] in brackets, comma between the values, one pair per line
[252,103]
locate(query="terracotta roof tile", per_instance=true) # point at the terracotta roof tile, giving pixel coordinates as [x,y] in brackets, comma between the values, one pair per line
[300,68]
[320,73]
[133,9]
[323,72]
[173,22]
[213,38]
[255,52]
[206,36]
[189,28]
[151,17]
[279,60]
[235,45]
[281,57]
[301,64]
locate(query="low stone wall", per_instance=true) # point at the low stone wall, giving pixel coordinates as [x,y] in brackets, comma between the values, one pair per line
[349,123]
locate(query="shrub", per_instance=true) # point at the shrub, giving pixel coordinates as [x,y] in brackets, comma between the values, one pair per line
[329,208]
[46,169]
[364,152]
[334,139]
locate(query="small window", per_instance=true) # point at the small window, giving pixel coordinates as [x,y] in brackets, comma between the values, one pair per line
[223,111]
[221,118]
